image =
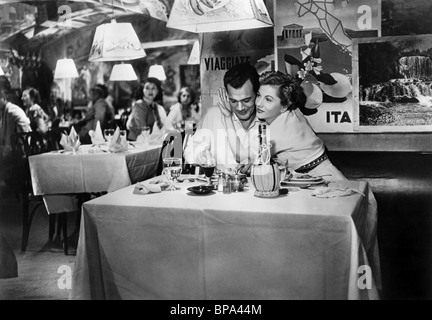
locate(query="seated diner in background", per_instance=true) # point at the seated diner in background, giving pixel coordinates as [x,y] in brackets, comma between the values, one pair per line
[98,111]
[186,109]
[31,100]
[148,112]
[13,118]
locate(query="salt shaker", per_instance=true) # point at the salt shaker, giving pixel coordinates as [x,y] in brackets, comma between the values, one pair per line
[221,182]
[227,184]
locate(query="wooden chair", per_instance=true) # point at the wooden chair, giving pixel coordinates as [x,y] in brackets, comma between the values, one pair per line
[25,145]
[54,137]
[167,150]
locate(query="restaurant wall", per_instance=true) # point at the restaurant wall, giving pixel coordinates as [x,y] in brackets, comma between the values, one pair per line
[76,45]
[398,167]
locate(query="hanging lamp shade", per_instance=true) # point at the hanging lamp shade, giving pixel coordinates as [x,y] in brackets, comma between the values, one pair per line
[195,56]
[157,71]
[115,42]
[123,72]
[65,68]
[225,15]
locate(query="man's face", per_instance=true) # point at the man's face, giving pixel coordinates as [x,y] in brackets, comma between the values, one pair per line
[242,101]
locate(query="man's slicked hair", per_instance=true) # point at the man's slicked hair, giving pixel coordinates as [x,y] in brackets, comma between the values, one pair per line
[239,74]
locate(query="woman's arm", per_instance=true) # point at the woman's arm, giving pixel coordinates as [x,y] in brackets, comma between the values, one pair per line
[242,154]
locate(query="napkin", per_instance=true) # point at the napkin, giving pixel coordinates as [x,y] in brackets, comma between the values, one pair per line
[118,143]
[155,186]
[96,135]
[71,142]
[331,192]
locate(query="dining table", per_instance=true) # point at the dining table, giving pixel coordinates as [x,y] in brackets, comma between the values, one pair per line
[91,169]
[218,246]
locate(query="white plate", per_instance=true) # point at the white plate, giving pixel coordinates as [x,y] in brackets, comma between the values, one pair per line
[301,183]
[308,178]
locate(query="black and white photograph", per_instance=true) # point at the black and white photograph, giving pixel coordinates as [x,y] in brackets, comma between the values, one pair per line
[394,76]
[215,157]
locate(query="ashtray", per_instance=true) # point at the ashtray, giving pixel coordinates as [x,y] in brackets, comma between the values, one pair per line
[203,189]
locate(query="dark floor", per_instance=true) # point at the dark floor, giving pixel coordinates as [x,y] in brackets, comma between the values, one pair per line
[402,184]
[38,266]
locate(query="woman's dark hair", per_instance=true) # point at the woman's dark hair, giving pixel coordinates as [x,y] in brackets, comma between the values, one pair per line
[238,75]
[191,92]
[159,97]
[139,95]
[101,89]
[34,95]
[290,92]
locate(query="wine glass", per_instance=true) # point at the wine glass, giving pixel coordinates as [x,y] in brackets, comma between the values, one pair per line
[145,133]
[208,171]
[283,166]
[172,168]
[108,133]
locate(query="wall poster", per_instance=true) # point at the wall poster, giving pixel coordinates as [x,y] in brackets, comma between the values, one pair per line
[313,42]
[393,83]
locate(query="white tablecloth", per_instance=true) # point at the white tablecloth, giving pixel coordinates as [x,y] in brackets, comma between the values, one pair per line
[175,245]
[58,176]
[66,173]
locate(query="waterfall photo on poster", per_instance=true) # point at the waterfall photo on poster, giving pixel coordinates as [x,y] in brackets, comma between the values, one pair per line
[393,83]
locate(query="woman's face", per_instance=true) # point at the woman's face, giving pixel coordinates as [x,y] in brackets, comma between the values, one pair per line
[27,101]
[268,104]
[150,91]
[185,98]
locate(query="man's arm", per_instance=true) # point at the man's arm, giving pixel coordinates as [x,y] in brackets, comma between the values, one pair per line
[20,119]
[200,141]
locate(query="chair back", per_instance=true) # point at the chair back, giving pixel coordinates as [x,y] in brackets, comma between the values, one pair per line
[54,137]
[171,147]
[124,119]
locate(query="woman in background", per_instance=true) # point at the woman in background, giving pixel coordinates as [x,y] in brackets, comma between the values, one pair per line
[147,112]
[186,109]
[31,100]
[99,110]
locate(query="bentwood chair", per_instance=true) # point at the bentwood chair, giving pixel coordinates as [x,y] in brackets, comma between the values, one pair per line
[25,145]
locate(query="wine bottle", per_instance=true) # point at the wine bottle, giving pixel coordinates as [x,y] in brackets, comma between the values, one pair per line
[263,145]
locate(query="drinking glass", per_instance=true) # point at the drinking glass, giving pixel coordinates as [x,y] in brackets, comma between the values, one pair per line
[108,133]
[208,171]
[283,167]
[145,133]
[172,168]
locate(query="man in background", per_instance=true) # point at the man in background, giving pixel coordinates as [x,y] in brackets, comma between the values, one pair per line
[13,118]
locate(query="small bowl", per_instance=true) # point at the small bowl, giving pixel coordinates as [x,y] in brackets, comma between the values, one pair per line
[203,189]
